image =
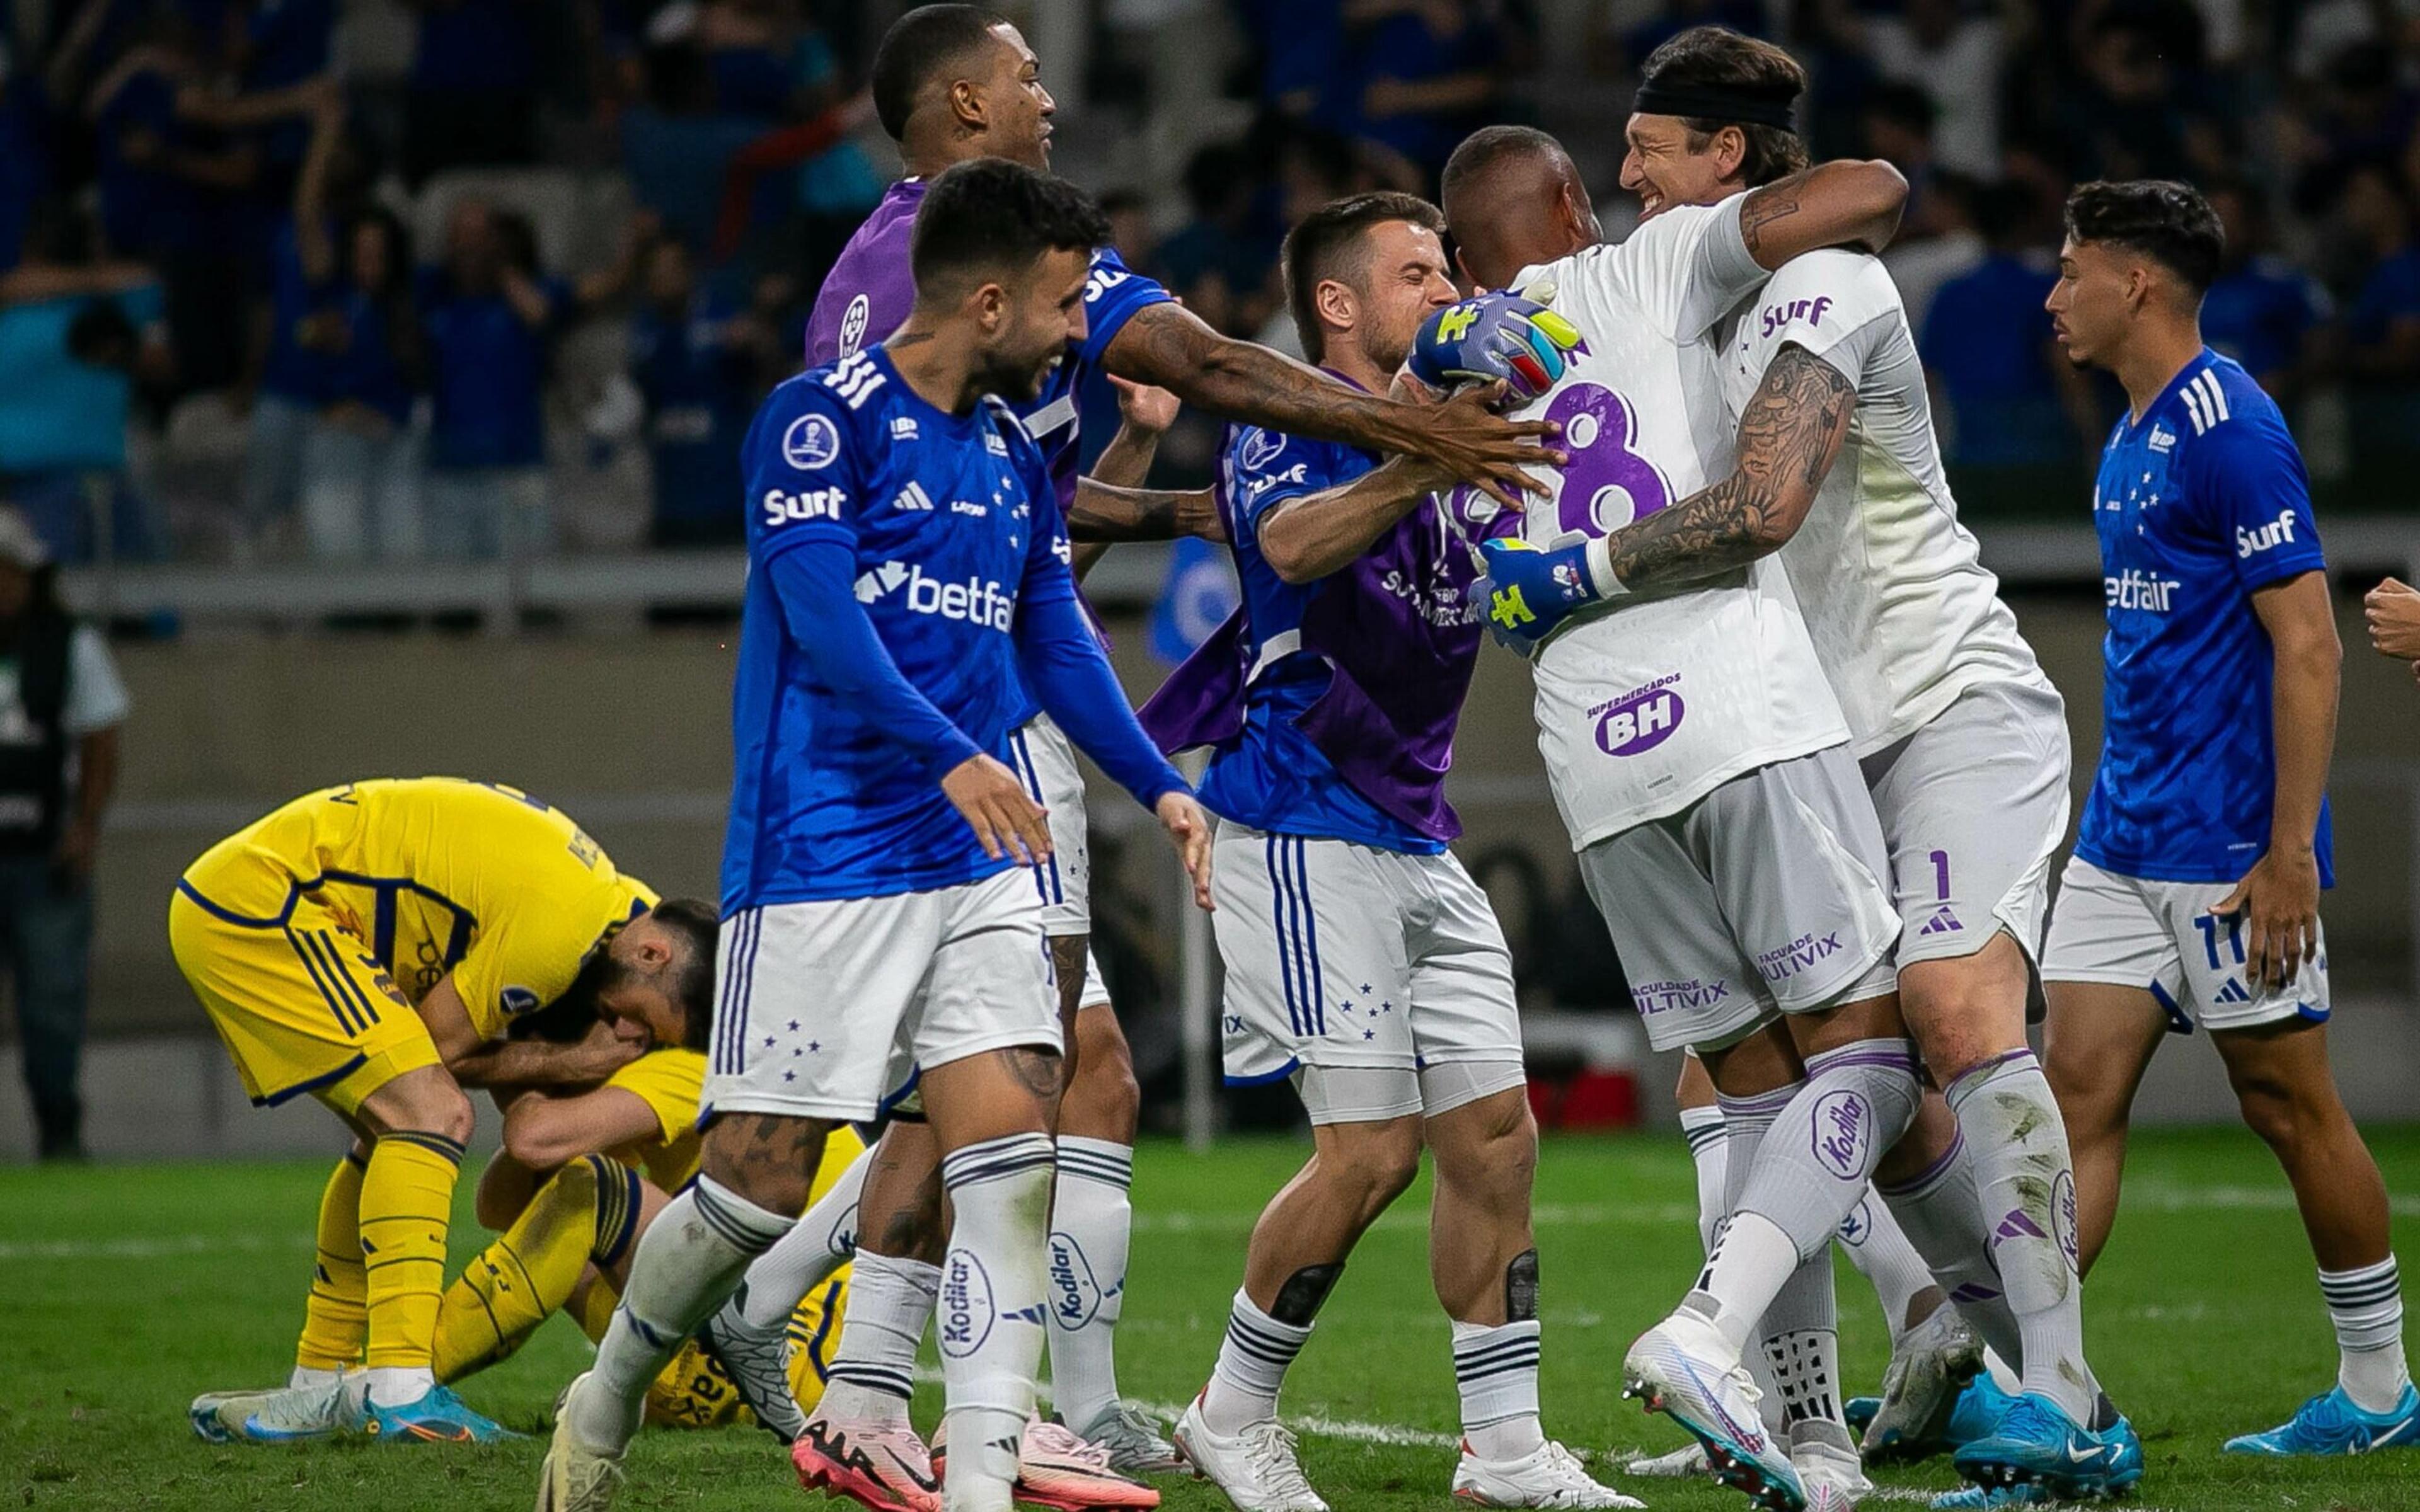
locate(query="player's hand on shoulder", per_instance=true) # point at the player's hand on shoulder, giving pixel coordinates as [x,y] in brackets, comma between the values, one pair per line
[1505,337]
[1188,831]
[1526,592]
[2393,609]
[1003,816]
[2279,901]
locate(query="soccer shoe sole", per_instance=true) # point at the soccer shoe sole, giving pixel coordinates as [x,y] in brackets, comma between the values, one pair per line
[1919,1391]
[2001,1477]
[1116,1496]
[1730,1463]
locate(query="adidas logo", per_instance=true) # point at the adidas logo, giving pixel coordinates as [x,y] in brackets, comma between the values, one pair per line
[914,497]
[2233,991]
[1942,922]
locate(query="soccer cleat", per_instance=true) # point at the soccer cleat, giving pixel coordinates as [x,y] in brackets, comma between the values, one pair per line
[883,1465]
[1260,1468]
[1983,1498]
[2037,1442]
[1932,1365]
[757,1361]
[1688,1462]
[1133,1440]
[290,1414]
[2332,1424]
[1972,1413]
[436,1417]
[1056,1468]
[575,1478]
[1828,1466]
[1550,1476]
[1671,1369]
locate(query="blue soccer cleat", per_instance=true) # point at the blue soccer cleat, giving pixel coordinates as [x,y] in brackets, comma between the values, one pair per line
[2036,1444]
[2331,1424]
[439,1417]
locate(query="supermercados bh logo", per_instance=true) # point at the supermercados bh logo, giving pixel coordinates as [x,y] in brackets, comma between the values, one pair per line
[1075,1291]
[966,1312]
[1640,720]
[1655,997]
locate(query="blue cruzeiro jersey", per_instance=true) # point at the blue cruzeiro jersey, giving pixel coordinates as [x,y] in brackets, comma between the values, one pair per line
[952,524]
[2200,502]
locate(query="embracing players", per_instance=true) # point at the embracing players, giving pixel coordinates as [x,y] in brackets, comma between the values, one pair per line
[2194,894]
[900,602]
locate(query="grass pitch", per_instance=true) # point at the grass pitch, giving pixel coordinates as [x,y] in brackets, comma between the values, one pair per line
[130,1290]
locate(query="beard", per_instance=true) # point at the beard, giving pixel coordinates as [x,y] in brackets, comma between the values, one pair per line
[1019,381]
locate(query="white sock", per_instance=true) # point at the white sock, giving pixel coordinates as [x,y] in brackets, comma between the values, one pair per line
[305,1375]
[1745,1122]
[1708,1151]
[1751,1261]
[1495,1369]
[2366,1306]
[686,1263]
[1093,1224]
[2003,1374]
[2025,1185]
[1878,1247]
[1251,1369]
[994,1306]
[816,1246]
[873,1370]
[1938,1211]
[395,1386]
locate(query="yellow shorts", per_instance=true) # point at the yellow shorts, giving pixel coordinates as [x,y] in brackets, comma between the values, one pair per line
[294,993]
[693,1392]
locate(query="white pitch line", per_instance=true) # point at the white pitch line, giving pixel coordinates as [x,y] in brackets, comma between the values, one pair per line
[154,1247]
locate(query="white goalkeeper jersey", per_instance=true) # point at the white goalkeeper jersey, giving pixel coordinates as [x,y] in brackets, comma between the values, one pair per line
[1900,610]
[1649,703]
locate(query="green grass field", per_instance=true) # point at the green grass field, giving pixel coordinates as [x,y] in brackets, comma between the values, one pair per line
[129,1290]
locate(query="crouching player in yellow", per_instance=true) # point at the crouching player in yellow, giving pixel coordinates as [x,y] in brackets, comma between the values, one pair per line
[581,1177]
[369,945]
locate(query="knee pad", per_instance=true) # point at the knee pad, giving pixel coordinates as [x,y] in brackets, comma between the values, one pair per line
[1521,1288]
[1304,1293]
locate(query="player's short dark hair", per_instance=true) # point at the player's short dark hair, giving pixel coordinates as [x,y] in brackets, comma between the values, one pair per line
[692,983]
[2160,219]
[1718,57]
[1490,147]
[1328,244]
[919,44]
[988,215]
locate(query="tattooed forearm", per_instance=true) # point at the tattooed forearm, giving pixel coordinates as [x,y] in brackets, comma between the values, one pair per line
[1105,512]
[1773,202]
[1164,343]
[1831,205]
[1788,438]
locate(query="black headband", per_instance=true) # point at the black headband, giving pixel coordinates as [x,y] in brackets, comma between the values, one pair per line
[1715,102]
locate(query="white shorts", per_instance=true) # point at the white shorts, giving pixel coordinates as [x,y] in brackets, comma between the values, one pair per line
[1341,956]
[1045,760]
[1096,990]
[2128,931]
[1763,897]
[821,1008]
[1973,807]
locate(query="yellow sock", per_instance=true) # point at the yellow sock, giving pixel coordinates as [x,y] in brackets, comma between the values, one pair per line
[533,1268]
[407,1203]
[592,1308]
[335,1319]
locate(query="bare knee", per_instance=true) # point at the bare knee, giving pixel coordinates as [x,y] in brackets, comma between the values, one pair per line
[1370,1166]
[767,1158]
[1491,1142]
[1966,1010]
[1104,1102]
[427,1101]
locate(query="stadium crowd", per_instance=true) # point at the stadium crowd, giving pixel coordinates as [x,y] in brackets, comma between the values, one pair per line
[377,280]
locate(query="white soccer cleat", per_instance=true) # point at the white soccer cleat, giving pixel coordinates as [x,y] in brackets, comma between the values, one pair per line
[1679,1368]
[1930,1366]
[1828,1466]
[757,1360]
[1688,1462]
[575,1478]
[289,1415]
[1549,1478]
[1258,1467]
[1133,1440]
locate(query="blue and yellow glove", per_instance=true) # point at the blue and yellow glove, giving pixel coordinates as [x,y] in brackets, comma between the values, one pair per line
[1527,591]
[1509,338]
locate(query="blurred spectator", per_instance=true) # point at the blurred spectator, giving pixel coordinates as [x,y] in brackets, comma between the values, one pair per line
[1986,345]
[2262,310]
[1942,245]
[26,146]
[2382,325]
[490,318]
[1954,56]
[1219,263]
[694,360]
[1427,73]
[473,91]
[61,704]
[76,332]
[286,42]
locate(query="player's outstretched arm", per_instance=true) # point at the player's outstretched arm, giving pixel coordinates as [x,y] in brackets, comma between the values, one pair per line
[1842,204]
[1106,514]
[2281,892]
[1307,537]
[1167,345]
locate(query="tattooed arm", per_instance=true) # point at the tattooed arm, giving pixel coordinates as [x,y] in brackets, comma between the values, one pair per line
[1105,513]
[1169,346]
[1789,436]
[1842,204]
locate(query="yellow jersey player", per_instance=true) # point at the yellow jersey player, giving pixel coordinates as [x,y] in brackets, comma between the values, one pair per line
[369,945]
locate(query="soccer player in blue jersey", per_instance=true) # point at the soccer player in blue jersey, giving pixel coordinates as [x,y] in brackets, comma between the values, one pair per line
[901,601]
[2194,895]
